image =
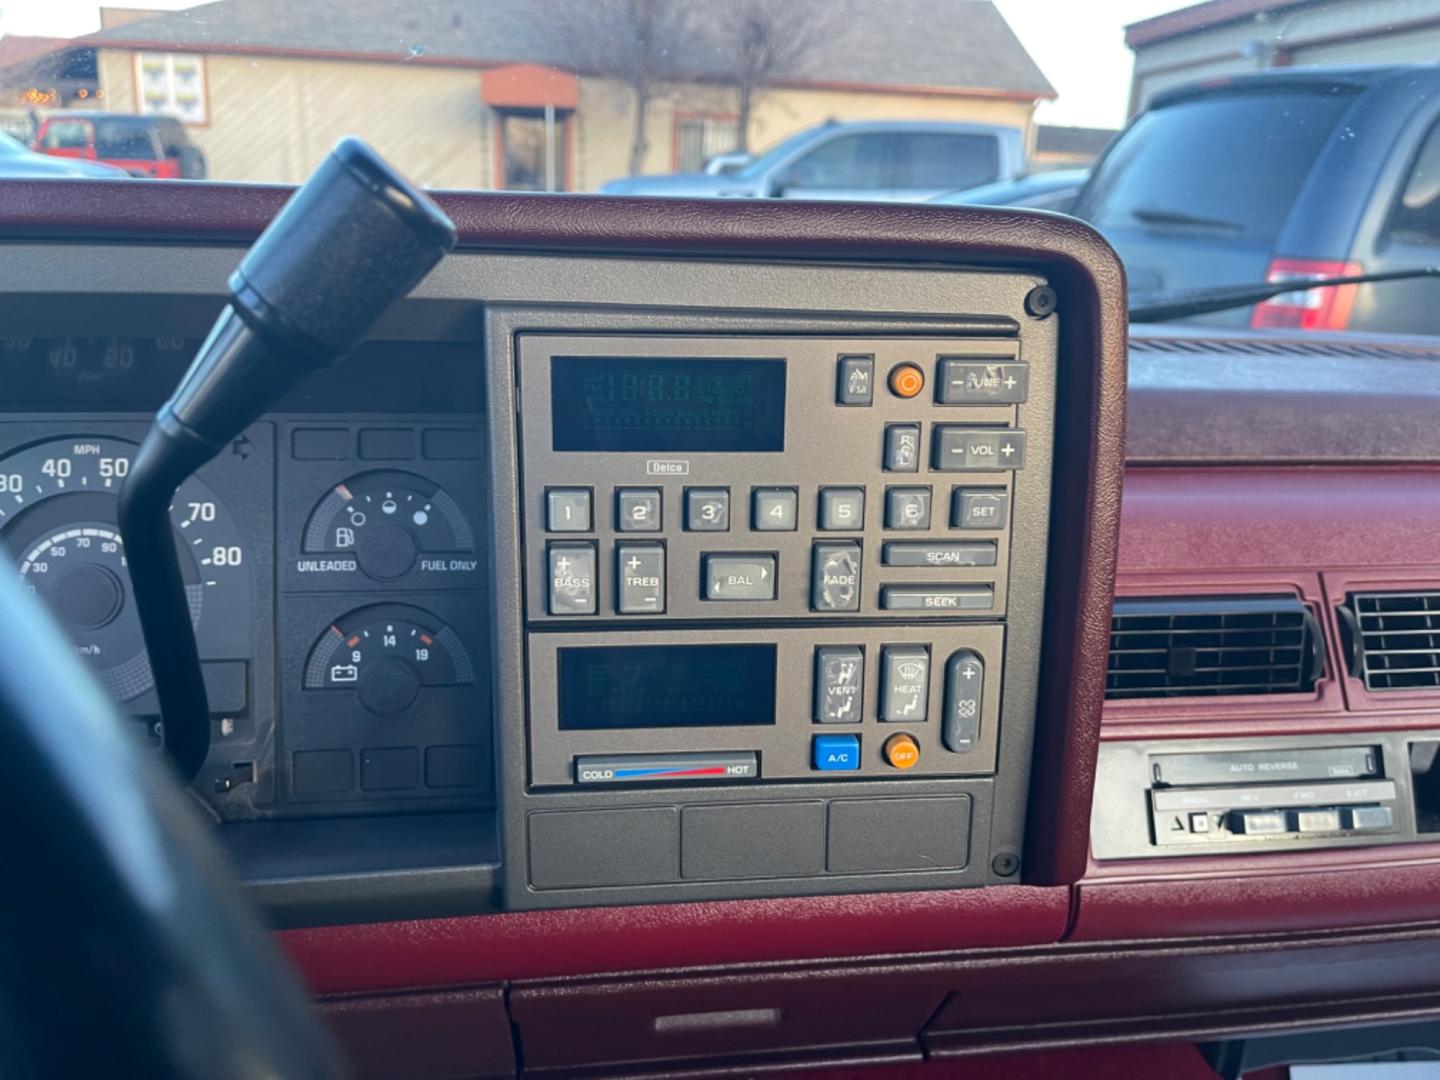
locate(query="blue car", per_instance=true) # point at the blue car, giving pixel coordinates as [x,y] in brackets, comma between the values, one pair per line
[19,163]
[1287,173]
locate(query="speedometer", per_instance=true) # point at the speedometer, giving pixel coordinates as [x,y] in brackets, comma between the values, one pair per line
[58,512]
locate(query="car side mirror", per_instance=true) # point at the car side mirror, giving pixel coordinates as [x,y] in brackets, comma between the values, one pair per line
[727,164]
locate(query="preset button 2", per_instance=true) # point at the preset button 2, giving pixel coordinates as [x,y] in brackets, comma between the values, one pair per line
[637,510]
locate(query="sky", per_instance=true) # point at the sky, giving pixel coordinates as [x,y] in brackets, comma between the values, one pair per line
[1079,44]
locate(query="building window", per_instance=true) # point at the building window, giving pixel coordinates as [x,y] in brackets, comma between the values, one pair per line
[534,150]
[698,138]
[172,84]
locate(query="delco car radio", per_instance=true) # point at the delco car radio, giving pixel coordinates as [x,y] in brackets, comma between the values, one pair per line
[781,602]
[689,501]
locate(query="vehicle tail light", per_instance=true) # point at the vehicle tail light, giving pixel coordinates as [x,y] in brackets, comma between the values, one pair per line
[1315,309]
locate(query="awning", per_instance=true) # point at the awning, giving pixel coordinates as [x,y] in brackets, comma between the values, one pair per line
[529,86]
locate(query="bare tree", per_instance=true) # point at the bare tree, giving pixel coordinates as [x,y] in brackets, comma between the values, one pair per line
[633,41]
[760,41]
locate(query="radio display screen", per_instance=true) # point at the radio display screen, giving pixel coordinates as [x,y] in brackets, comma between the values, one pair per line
[625,403]
[619,688]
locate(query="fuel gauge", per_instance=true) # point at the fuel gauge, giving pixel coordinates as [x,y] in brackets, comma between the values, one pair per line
[390,523]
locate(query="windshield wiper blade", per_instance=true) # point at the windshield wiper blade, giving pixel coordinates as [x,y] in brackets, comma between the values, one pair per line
[1155,215]
[1228,297]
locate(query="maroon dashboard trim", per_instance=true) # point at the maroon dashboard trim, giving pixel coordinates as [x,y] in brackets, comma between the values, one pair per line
[1090,421]
[524,945]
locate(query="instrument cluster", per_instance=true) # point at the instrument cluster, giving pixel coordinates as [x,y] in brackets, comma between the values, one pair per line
[332,561]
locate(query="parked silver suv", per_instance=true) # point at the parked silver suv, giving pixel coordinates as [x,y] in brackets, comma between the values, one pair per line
[904,161]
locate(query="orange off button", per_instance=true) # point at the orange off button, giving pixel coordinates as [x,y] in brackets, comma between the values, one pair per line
[906,380]
[901,751]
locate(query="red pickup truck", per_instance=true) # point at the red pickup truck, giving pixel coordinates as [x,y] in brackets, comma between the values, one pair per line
[156,146]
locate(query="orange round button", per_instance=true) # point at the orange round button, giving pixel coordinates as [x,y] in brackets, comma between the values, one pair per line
[906,380]
[901,751]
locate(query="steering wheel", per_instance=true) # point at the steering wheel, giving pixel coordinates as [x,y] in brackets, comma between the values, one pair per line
[126,946]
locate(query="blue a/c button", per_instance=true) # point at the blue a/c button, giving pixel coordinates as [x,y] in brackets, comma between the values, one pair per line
[837,753]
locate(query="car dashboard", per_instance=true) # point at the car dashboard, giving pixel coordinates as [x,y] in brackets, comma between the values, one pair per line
[685,631]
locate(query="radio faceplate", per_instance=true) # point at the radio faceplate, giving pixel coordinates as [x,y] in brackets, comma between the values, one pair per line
[835,497]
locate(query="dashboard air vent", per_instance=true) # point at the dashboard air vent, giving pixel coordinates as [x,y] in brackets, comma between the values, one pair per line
[1394,639]
[1194,647]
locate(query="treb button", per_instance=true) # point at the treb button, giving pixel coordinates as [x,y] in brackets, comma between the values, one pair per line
[641,572]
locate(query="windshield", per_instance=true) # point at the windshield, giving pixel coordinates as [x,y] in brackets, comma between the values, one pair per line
[1212,144]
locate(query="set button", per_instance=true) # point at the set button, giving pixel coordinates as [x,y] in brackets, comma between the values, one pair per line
[982,508]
